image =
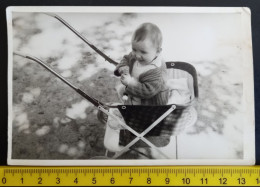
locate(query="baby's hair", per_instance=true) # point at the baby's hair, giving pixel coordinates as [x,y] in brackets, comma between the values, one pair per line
[148,30]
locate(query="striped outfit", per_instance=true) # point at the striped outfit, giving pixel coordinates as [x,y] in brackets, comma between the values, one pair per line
[150,86]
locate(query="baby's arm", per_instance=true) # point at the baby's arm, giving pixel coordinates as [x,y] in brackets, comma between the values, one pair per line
[148,86]
[144,90]
[124,70]
[123,66]
[126,80]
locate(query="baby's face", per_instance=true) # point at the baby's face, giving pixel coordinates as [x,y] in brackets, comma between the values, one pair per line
[144,51]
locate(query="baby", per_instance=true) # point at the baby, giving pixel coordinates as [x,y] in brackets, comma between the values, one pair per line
[142,71]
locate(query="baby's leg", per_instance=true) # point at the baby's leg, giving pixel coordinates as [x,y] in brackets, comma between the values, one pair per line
[120,92]
[111,139]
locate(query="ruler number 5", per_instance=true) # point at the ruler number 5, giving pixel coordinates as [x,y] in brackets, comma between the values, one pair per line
[94,181]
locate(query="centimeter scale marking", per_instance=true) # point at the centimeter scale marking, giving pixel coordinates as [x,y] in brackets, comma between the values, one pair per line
[131,176]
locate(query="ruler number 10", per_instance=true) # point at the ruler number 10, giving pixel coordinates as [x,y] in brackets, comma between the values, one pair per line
[186,180]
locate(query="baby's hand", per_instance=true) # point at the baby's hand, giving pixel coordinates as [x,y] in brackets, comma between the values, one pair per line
[124,70]
[126,79]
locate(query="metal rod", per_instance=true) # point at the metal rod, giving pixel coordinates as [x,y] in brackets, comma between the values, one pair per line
[82,37]
[83,94]
[141,136]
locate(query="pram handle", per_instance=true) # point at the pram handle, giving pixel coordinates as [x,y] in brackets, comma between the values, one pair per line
[82,37]
[94,101]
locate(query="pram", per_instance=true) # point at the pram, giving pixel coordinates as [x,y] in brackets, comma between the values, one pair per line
[162,122]
[154,125]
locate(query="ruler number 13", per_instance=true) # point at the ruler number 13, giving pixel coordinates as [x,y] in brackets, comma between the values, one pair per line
[241,181]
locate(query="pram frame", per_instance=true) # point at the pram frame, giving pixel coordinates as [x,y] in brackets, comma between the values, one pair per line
[141,135]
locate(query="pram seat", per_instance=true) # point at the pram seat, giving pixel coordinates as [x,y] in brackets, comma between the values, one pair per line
[139,118]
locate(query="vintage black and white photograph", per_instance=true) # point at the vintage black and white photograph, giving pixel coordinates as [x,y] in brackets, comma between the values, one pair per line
[130,86]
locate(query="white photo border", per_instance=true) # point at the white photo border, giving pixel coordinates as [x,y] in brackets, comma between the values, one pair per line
[248,86]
